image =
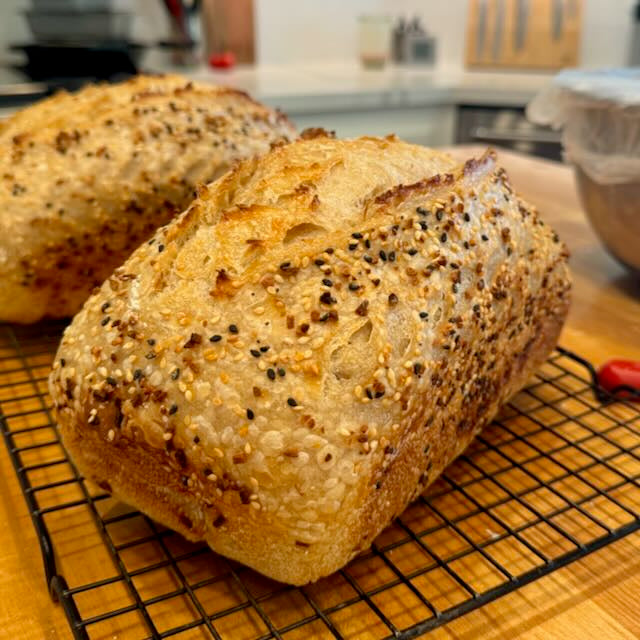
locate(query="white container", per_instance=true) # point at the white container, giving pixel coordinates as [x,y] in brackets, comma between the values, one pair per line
[599,112]
[374,40]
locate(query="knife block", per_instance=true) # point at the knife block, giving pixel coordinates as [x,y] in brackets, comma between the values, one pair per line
[492,41]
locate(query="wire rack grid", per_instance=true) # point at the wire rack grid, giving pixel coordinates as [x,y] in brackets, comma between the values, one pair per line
[553,478]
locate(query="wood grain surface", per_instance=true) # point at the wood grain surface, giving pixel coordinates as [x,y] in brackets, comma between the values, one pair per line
[594,597]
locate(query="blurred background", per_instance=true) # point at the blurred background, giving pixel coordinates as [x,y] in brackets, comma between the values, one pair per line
[433,72]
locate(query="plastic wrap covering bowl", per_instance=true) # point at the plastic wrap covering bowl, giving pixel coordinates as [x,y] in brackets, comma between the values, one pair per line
[599,112]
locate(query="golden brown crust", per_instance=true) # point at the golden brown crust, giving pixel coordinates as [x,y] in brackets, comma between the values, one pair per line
[86,177]
[307,347]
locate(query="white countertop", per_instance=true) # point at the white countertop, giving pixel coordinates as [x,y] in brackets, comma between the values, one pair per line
[314,88]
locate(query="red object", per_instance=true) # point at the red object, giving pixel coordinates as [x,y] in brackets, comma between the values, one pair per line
[224,60]
[618,373]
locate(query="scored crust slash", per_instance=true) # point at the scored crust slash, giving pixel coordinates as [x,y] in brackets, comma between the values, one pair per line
[364,328]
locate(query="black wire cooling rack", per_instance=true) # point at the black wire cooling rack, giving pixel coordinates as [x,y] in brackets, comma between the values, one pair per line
[552,479]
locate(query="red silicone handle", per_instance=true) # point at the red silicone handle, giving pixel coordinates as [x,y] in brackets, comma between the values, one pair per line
[621,377]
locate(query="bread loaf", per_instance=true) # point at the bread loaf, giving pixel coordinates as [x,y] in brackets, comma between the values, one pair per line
[86,177]
[282,368]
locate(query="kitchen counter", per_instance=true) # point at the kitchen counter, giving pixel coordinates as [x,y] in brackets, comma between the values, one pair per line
[594,597]
[333,86]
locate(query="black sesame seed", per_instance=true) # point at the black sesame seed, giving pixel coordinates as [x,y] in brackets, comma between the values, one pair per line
[151,342]
[357,236]
[354,286]
[368,259]
[255,353]
[281,372]
[250,414]
[105,321]
[137,374]
[151,241]
[467,217]
[264,349]
[367,243]
[173,409]
[392,256]
[439,214]
[369,393]
[422,211]
[327,283]
[327,298]
[105,306]
[215,338]
[423,225]
[465,244]
[271,374]
[63,362]
[418,368]
[160,248]
[292,402]
[393,299]
[318,262]
[285,266]
[443,237]
[233,328]
[150,356]
[484,237]
[412,252]
[383,255]
[175,374]
[329,250]
[353,246]
[196,439]
[454,288]
[424,314]
[112,381]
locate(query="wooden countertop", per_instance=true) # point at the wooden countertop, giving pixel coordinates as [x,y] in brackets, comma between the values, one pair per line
[594,597]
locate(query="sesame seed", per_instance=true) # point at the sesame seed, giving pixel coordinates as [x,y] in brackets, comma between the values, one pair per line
[173,409]
[160,248]
[105,321]
[137,374]
[422,211]
[467,217]
[412,252]
[292,402]
[175,374]
[318,262]
[443,238]
[151,342]
[255,353]
[439,214]
[105,306]
[250,414]
[392,256]
[233,328]
[423,225]
[215,338]
[357,236]
[353,246]
[383,255]
[367,258]
[271,374]
[354,286]
[327,298]
[150,356]
[326,282]
[424,315]
[281,372]
[393,299]
[484,237]
[63,362]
